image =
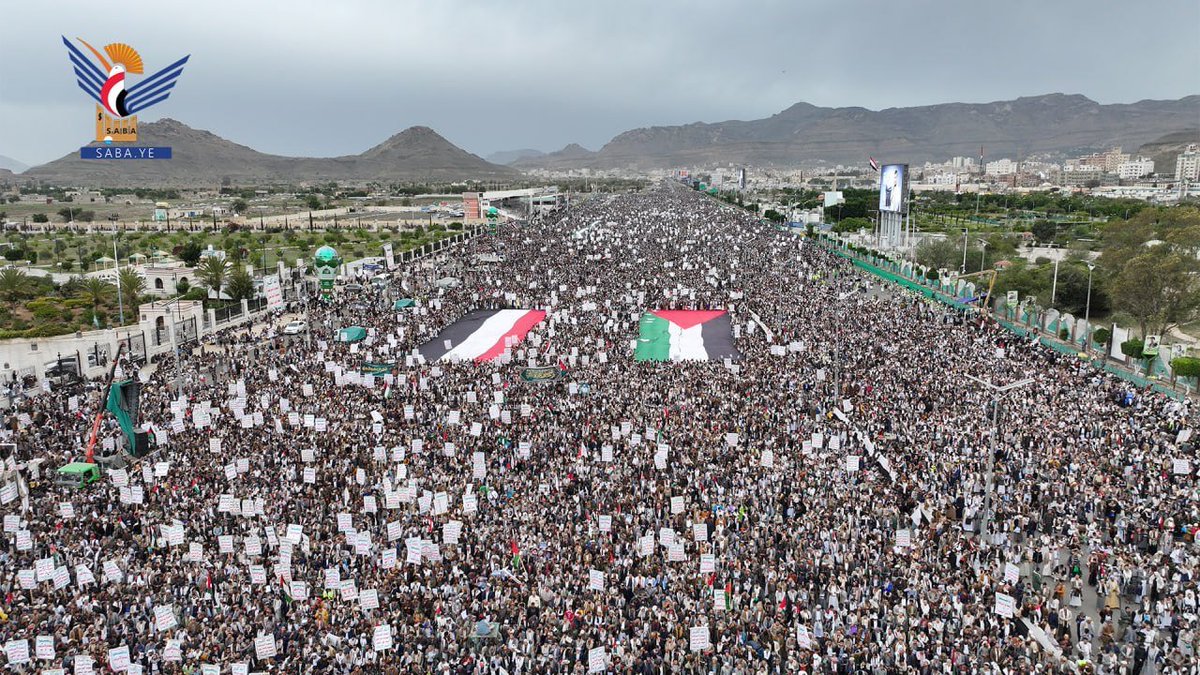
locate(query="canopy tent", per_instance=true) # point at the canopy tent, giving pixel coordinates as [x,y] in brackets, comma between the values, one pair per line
[137,256]
[352,334]
[403,303]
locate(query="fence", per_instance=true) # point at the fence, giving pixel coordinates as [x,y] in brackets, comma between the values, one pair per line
[891,271]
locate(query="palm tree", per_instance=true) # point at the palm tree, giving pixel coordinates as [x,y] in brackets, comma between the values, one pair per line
[13,284]
[213,272]
[96,290]
[241,284]
[132,285]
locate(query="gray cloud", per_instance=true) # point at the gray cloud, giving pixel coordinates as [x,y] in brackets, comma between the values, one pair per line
[321,78]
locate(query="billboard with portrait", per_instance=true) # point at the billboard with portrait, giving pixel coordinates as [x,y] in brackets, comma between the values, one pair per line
[893,187]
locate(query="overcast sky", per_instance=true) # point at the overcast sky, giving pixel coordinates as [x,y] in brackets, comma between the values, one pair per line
[324,78]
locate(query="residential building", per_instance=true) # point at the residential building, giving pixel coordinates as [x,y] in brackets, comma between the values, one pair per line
[1000,167]
[1081,176]
[1135,168]
[1187,165]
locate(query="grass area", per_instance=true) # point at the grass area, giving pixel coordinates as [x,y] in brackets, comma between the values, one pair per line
[35,306]
[76,252]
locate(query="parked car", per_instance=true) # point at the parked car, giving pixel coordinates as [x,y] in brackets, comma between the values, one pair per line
[295,327]
[354,288]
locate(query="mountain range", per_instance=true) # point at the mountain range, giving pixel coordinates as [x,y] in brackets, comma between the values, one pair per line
[510,156]
[200,157]
[804,134]
[10,164]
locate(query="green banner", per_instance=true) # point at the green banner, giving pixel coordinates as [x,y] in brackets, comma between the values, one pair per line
[114,406]
[540,374]
[377,368]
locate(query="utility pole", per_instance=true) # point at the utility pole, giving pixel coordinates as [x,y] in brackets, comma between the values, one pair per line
[117,261]
[964,265]
[1054,285]
[998,393]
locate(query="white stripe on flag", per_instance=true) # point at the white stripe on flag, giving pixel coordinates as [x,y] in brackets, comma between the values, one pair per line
[687,345]
[488,334]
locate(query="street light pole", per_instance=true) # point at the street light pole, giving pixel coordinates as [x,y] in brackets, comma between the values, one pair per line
[964,265]
[117,262]
[1054,286]
[998,393]
[1087,312]
[982,255]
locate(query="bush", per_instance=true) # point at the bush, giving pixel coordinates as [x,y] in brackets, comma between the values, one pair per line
[41,218]
[1186,366]
[47,313]
[44,330]
[1133,348]
[1064,334]
[14,254]
[1101,336]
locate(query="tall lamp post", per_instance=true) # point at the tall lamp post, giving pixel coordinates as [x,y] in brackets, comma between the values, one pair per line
[998,393]
[1087,312]
[983,255]
[964,265]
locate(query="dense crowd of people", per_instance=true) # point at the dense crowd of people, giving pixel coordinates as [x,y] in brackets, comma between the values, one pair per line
[833,500]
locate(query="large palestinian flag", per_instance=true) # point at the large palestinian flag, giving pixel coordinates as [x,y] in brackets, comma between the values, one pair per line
[480,335]
[684,335]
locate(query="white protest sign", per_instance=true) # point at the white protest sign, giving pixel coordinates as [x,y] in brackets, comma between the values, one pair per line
[118,658]
[164,617]
[381,638]
[1005,605]
[698,638]
[264,646]
[596,660]
[1011,573]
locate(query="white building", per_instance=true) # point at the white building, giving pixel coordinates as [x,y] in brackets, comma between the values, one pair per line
[1000,167]
[1187,165]
[943,179]
[1135,168]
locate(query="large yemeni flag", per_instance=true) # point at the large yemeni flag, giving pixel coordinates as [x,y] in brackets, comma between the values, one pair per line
[480,335]
[684,335]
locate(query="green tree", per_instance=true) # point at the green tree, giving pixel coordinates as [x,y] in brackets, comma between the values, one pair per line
[939,254]
[773,216]
[1044,230]
[182,286]
[41,218]
[241,284]
[1159,288]
[14,284]
[190,252]
[239,206]
[213,273]
[1186,366]
[313,202]
[132,286]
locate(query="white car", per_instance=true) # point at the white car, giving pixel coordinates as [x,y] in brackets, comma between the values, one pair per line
[295,327]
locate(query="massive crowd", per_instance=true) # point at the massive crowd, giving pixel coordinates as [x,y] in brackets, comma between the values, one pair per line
[818,505]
